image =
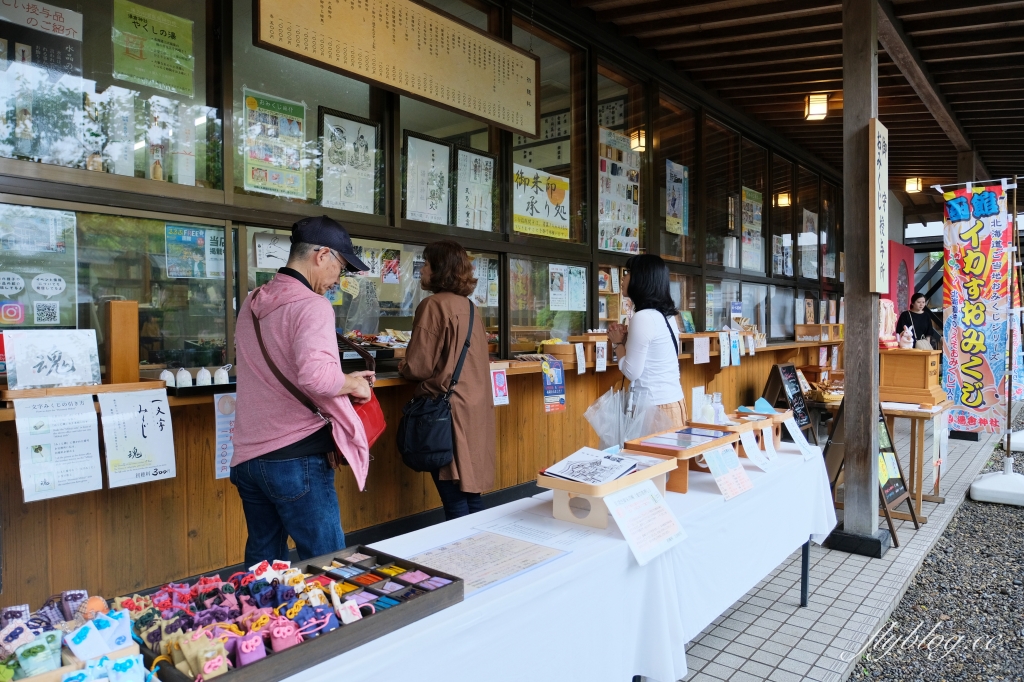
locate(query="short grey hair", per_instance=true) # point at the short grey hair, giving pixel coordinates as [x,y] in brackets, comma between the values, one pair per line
[301,251]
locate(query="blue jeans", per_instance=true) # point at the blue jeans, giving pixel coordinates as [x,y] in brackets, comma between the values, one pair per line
[289,497]
[455,502]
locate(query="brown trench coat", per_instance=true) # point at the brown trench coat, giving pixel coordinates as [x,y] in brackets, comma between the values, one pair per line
[438,334]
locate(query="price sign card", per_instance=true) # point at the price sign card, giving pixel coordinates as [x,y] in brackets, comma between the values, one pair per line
[754,453]
[58,446]
[601,356]
[581,359]
[729,474]
[499,386]
[644,519]
[798,438]
[138,436]
[768,438]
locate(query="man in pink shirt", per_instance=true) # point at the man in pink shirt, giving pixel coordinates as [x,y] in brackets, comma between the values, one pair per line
[280,465]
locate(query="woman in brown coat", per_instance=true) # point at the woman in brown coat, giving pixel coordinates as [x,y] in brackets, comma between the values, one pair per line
[438,335]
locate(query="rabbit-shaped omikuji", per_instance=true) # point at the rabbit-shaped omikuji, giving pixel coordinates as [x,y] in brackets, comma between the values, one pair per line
[907,339]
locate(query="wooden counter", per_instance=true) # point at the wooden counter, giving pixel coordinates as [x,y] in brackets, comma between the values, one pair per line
[115,541]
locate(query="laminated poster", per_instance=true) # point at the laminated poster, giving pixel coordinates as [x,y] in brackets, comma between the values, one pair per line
[553,377]
[38,267]
[558,287]
[618,183]
[752,242]
[349,173]
[153,48]
[499,386]
[194,252]
[51,358]
[577,288]
[730,476]
[492,282]
[644,519]
[482,271]
[540,202]
[224,420]
[391,266]
[137,436]
[677,198]
[275,133]
[427,195]
[808,243]
[474,203]
[58,446]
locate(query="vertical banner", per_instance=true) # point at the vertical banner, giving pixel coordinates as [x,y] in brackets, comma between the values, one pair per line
[224,421]
[878,208]
[975,298]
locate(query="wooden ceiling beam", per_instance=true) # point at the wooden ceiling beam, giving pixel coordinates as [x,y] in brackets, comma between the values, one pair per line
[901,50]
[818,39]
[667,33]
[920,9]
[775,57]
[975,54]
[716,13]
[1006,32]
[960,23]
[940,68]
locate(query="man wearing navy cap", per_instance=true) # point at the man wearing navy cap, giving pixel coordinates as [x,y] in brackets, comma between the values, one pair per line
[280,465]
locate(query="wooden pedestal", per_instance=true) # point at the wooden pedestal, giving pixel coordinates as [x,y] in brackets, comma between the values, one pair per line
[910,376]
[679,479]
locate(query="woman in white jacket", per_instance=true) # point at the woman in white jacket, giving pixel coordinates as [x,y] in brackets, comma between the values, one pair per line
[651,342]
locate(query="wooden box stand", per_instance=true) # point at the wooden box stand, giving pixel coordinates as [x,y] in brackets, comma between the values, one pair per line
[742,425]
[584,504]
[777,419]
[679,480]
[805,333]
[910,376]
[589,342]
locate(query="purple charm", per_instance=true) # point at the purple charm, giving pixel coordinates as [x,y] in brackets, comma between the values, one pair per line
[250,648]
[70,600]
[9,613]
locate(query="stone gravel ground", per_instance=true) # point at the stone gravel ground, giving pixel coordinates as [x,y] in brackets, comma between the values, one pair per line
[962,618]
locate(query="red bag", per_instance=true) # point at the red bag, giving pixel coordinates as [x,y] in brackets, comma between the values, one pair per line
[369,412]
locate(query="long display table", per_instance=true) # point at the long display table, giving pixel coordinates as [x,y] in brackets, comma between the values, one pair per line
[594,614]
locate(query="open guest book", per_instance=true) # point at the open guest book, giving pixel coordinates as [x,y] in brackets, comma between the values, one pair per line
[595,467]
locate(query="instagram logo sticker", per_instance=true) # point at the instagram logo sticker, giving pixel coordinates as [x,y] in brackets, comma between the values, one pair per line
[12,313]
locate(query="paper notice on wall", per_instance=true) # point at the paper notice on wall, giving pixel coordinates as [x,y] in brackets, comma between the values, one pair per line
[474,192]
[194,251]
[271,249]
[224,420]
[618,183]
[275,141]
[553,378]
[492,282]
[558,287]
[601,356]
[701,350]
[644,519]
[677,180]
[577,289]
[137,436]
[724,349]
[58,446]
[581,359]
[153,48]
[499,386]
[540,203]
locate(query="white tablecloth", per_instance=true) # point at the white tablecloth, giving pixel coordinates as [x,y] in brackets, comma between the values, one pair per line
[595,614]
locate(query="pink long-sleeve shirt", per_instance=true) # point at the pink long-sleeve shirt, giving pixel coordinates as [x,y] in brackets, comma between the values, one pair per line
[298,329]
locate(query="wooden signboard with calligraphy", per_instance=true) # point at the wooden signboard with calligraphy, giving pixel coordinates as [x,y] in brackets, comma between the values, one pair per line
[412,49]
[878,208]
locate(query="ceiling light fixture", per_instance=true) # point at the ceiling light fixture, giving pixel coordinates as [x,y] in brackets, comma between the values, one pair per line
[816,106]
[638,140]
[914,185]
[782,199]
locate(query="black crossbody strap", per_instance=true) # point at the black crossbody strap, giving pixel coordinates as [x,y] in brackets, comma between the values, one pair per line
[675,341]
[465,349]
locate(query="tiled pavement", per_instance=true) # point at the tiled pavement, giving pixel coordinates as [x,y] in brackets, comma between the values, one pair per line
[767,636]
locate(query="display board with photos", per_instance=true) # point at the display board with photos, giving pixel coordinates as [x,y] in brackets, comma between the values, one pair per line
[475,189]
[274,145]
[427,178]
[351,173]
[752,237]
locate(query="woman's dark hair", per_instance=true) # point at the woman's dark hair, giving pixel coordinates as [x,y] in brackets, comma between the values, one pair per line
[913,299]
[648,285]
[450,268]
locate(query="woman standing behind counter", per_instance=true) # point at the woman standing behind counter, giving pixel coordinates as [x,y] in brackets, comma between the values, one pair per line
[651,343]
[920,324]
[439,332]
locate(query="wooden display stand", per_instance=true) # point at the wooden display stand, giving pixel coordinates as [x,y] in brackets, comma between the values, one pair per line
[741,426]
[777,420]
[589,508]
[804,333]
[589,342]
[679,480]
[686,342]
[910,376]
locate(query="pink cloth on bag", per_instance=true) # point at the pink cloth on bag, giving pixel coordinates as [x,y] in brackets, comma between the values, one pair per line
[298,329]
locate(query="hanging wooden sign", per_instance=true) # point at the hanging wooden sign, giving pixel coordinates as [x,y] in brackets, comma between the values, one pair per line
[411,49]
[878,208]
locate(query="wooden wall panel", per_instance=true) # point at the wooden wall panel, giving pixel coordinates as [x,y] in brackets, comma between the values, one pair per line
[114,541]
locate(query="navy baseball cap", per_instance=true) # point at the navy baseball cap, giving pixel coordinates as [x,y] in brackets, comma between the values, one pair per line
[323,231]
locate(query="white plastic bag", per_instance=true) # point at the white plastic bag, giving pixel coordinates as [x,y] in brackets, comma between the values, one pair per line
[619,416]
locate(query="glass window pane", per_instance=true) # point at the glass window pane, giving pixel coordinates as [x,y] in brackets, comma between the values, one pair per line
[722,169]
[755,298]
[828,230]
[622,145]
[675,141]
[385,297]
[755,182]
[782,312]
[612,303]
[782,217]
[139,109]
[719,297]
[683,289]
[278,105]
[547,300]
[807,236]
[549,172]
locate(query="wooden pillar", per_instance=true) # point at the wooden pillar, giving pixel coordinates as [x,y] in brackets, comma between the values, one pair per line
[122,342]
[860,533]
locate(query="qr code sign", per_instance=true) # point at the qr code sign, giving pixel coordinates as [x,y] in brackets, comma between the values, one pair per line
[46,312]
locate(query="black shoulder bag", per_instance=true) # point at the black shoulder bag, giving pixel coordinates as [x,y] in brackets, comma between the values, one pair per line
[425,432]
